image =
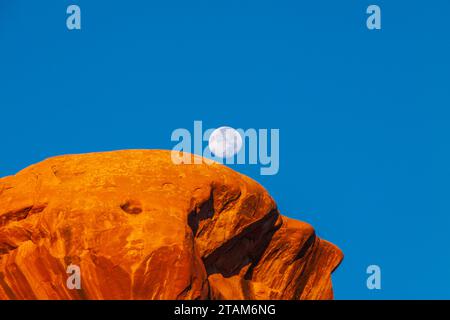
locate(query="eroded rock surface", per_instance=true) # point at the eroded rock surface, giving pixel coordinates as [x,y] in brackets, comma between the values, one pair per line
[141,227]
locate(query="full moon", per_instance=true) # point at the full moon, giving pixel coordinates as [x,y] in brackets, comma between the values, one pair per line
[225,142]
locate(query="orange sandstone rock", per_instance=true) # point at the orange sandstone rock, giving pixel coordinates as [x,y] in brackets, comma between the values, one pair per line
[141,227]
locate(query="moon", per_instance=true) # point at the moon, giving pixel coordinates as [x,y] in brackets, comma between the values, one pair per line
[225,142]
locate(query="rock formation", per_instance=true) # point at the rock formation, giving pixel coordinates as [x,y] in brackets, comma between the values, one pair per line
[141,227]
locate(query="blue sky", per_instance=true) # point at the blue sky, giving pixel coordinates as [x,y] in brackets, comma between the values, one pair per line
[363,115]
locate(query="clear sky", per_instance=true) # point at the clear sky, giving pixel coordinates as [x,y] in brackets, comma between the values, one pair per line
[363,115]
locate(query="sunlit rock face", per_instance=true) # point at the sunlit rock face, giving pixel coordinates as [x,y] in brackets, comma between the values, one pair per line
[140,227]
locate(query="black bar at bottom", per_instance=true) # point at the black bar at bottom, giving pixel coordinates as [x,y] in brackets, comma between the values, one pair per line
[261,310]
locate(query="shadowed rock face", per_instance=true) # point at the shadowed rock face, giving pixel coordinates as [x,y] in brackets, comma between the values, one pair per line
[141,227]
